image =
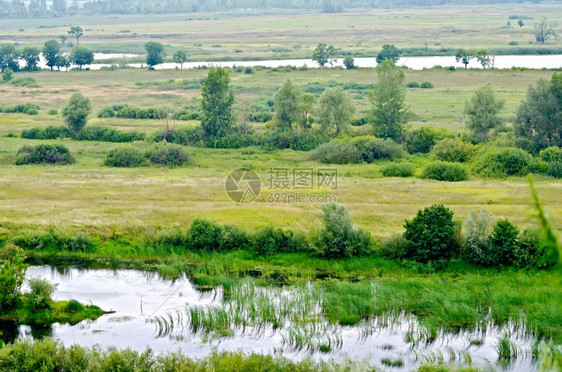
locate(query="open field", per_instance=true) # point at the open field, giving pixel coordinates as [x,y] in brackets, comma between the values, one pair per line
[278,35]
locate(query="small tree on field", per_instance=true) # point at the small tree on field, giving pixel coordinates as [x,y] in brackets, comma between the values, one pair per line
[324,54]
[77,32]
[484,58]
[180,57]
[306,108]
[217,99]
[155,53]
[545,30]
[76,112]
[31,57]
[388,52]
[287,103]
[335,110]
[520,23]
[349,63]
[502,244]
[81,56]
[483,110]
[464,56]
[8,57]
[51,52]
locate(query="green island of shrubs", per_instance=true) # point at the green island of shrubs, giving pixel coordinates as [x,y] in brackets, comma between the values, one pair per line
[44,154]
[162,154]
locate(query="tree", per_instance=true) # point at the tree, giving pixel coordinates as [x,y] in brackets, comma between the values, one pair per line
[389,112]
[349,63]
[484,58]
[482,110]
[76,112]
[539,114]
[545,30]
[388,52]
[217,99]
[155,53]
[51,52]
[180,57]
[31,57]
[520,23]
[431,234]
[81,56]
[63,39]
[324,54]
[77,32]
[335,110]
[287,104]
[502,244]
[306,108]
[7,74]
[8,57]
[464,56]
[12,274]
[62,62]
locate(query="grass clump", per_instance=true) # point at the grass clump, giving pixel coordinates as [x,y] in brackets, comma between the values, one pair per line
[44,154]
[443,171]
[392,362]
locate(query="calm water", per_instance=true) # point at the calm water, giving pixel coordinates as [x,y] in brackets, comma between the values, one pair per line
[138,297]
[416,63]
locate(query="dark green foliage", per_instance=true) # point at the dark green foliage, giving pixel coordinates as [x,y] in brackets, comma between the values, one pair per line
[372,148]
[74,306]
[349,63]
[296,140]
[271,240]
[234,238]
[336,152]
[389,52]
[287,102]
[79,243]
[551,154]
[51,53]
[502,244]
[394,247]
[529,250]
[169,155]
[324,54]
[483,110]
[217,98]
[12,273]
[50,132]
[453,150]
[181,136]
[155,53]
[503,162]
[442,171]
[422,140]
[54,240]
[233,140]
[555,169]
[398,170]
[40,294]
[431,235]
[27,108]
[76,112]
[426,85]
[108,134]
[44,154]
[412,84]
[125,157]
[339,238]
[81,56]
[205,235]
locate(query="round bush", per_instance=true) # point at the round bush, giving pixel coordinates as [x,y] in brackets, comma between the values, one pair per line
[412,84]
[422,140]
[443,171]
[52,112]
[551,154]
[74,306]
[372,148]
[336,152]
[44,154]
[398,170]
[125,157]
[504,162]
[454,150]
[426,85]
[168,155]
[555,169]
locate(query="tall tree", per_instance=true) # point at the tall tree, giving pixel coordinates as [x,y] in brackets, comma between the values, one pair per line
[287,104]
[31,57]
[484,58]
[81,56]
[51,53]
[8,57]
[180,57]
[306,108]
[217,99]
[539,116]
[464,56]
[482,110]
[389,112]
[388,52]
[335,110]
[77,32]
[324,54]
[545,30]
[76,112]
[155,53]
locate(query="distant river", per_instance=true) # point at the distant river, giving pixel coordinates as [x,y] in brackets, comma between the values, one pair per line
[415,63]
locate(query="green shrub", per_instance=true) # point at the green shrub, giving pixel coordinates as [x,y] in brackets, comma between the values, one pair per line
[555,169]
[170,238]
[551,154]
[503,162]
[106,112]
[7,74]
[412,84]
[502,244]
[393,247]
[12,274]
[336,152]
[50,132]
[235,140]
[107,134]
[40,294]
[454,150]
[477,229]
[44,154]
[422,140]
[431,235]
[205,235]
[80,243]
[125,157]
[300,141]
[181,136]
[529,250]
[234,238]
[339,238]
[53,112]
[372,148]
[168,155]
[426,85]
[398,170]
[442,171]
[74,307]
[271,240]
[10,251]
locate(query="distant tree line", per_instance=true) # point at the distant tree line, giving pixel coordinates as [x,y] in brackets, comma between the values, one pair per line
[40,8]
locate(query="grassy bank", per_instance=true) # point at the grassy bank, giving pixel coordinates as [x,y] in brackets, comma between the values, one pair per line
[61,312]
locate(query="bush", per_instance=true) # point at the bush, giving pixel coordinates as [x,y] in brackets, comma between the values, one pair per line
[11,251]
[234,238]
[398,170]
[192,136]
[205,235]
[426,85]
[271,240]
[529,250]
[502,244]
[234,140]
[454,150]
[412,84]
[336,152]
[261,116]
[422,140]
[80,243]
[74,307]
[477,228]
[125,157]
[555,169]
[504,162]
[40,294]
[50,132]
[107,134]
[442,171]
[339,238]
[372,148]
[52,112]
[394,247]
[44,154]
[551,154]
[106,112]
[168,155]
[431,235]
